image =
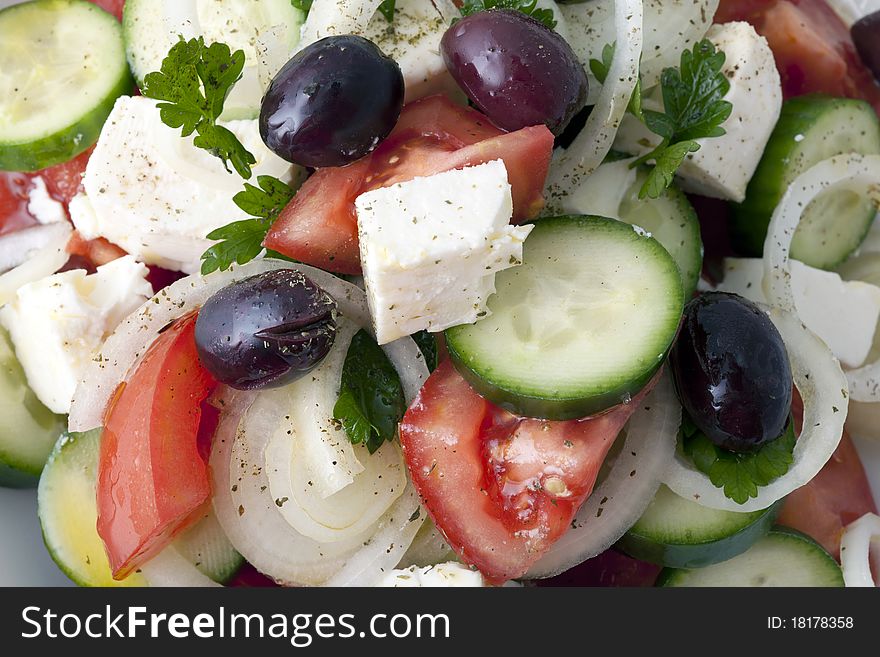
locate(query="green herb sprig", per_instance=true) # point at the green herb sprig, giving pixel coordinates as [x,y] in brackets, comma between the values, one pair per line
[527,7]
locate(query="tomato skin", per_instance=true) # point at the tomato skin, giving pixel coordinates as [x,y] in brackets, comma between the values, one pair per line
[834,498]
[152,477]
[112,6]
[14,213]
[501,488]
[812,46]
[319,226]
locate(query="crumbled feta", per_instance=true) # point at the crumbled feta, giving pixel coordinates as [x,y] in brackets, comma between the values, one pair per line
[155,194]
[58,323]
[430,248]
[843,313]
[43,207]
[444,574]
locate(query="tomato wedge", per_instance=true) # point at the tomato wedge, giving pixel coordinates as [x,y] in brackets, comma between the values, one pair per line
[501,488]
[151,475]
[319,226]
[813,48]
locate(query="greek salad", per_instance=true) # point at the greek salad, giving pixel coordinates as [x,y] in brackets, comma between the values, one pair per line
[443,292]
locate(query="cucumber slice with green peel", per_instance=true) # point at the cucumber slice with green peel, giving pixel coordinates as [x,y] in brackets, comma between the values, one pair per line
[811,129]
[28,430]
[267,31]
[673,222]
[679,533]
[50,50]
[581,326]
[68,511]
[206,546]
[784,557]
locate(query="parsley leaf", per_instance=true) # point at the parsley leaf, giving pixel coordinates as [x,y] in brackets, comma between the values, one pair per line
[302,5]
[387,9]
[242,241]
[740,475]
[600,69]
[694,108]
[371,401]
[527,7]
[193,83]
[427,344]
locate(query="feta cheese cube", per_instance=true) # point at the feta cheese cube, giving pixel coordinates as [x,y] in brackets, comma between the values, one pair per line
[430,248]
[58,323]
[843,313]
[154,193]
[442,575]
[723,166]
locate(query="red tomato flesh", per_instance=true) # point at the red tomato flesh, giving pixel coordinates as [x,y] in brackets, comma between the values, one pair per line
[501,488]
[813,48]
[112,6]
[151,475]
[319,226]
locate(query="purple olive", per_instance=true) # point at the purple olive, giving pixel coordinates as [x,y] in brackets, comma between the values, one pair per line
[332,103]
[731,371]
[265,331]
[515,69]
[866,36]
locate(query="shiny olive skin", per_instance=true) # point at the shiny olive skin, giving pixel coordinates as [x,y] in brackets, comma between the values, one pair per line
[866,36]
[516,70]
[731,371]
[332,103]
[265,331]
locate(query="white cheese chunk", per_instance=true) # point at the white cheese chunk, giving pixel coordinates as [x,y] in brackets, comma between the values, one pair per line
[444,574]
[155,194]
[57,324]
[724,165]
[843,313]
[430,248]
[43,207]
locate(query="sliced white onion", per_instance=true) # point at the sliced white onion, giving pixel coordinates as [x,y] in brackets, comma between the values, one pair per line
[170,568]
[18,246]
[670,26]
[822,386]
[593,143]
[855,550]
[306,429]
[249,512]
[136,333]
[383,551]
[851,171]
[329,17]
[619,501]
[326,488]
[44,262]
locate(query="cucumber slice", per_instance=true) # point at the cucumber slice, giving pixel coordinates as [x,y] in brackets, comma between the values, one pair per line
[580,326]
[267,32]
[679,533]
[28,430]
[784,557]
[811,129]
[50,50]
[69,513]
[673,222]
[613,191]
[206,546]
